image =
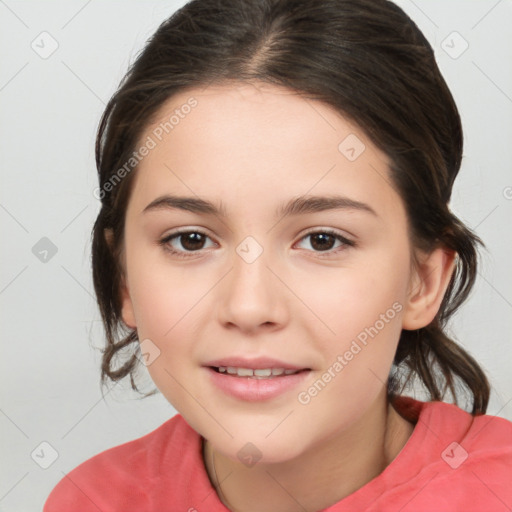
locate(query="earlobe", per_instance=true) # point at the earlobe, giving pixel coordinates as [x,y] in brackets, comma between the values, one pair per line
[427,288]
[127,311]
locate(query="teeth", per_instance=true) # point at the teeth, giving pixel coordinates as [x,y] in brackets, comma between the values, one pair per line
[262,373]
[259,373]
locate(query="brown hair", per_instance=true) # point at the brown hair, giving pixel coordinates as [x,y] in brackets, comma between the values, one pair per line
[365,58]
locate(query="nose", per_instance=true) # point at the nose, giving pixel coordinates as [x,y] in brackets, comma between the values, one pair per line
[253,297]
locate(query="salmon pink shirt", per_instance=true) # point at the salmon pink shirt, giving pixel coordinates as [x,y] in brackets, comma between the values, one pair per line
[452,462]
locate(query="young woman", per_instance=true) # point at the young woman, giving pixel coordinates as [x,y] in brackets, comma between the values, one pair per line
[275,245]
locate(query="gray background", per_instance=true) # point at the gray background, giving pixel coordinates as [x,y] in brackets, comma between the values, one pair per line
[50,328]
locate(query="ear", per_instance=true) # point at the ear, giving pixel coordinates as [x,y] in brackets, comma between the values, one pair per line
[127,311]
[427,287]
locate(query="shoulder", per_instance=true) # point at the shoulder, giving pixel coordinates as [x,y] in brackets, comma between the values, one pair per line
[485,435]
[448,419]
[475,466]
[121,478]
[459,461]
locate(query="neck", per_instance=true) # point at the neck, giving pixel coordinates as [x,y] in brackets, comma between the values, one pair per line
[321,476]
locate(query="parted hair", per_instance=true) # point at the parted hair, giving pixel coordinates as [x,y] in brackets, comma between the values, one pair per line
[365,58]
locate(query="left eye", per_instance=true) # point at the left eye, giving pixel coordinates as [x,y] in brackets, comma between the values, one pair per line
[322,241]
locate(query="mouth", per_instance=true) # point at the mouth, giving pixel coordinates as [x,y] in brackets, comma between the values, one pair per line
[257,373]
[252,380]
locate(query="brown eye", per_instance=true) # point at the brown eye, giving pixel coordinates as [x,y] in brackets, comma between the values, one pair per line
[184,242]
[191,241]
[325,240]
[322,241]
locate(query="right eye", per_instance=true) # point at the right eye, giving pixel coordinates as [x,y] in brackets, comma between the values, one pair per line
[191,241]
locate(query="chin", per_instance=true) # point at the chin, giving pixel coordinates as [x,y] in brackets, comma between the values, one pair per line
[257,446]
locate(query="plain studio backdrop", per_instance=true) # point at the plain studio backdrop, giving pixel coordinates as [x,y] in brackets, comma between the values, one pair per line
[61,61]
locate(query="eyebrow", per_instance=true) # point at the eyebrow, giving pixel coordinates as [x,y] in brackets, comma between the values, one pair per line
[296,206]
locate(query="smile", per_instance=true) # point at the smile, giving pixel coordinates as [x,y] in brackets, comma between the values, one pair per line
[260,373]
[256,384]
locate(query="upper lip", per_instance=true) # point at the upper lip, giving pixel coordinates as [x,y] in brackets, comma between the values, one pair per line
[259,363]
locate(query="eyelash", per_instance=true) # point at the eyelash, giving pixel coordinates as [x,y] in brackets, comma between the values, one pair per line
[181,254]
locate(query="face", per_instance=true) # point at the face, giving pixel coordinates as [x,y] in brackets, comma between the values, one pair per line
[293,254]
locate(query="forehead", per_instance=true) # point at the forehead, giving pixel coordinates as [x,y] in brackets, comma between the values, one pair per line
[258,140]
[254,111]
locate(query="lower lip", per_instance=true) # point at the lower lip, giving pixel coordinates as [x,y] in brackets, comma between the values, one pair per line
[255,390]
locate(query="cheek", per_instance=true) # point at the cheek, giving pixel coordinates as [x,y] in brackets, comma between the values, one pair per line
[171,304]
[166,307]
[362,308]
[162,295]
[347,300]
[357,362]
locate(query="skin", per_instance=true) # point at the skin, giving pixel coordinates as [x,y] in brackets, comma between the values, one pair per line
[253,147]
